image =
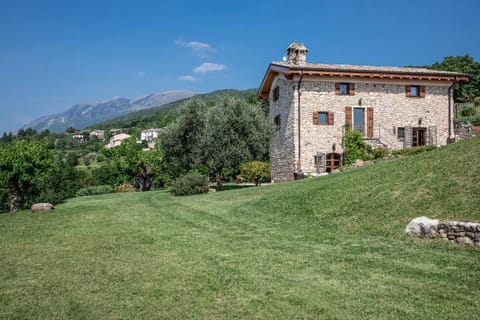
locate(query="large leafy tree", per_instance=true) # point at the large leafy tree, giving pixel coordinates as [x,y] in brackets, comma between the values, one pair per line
[464,92]
[142,167]
[235,132]
[182,139]
[23,166]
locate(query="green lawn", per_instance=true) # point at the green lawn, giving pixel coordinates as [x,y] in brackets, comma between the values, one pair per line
[330,247]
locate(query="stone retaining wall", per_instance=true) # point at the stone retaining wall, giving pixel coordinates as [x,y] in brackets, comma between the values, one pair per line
[463,131]
[459,231]
[454,231]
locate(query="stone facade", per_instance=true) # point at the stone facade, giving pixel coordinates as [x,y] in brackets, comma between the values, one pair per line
[297,93]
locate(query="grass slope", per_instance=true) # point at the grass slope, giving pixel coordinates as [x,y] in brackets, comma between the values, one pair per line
[330,247]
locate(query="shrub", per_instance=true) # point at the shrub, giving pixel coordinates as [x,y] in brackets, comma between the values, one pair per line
[413,150]
[477,101]
[468,111]
[125,187]
[191,183]
[88,191]
[380,153]
[475,119]
[100,157]
[255,171]
[355,147]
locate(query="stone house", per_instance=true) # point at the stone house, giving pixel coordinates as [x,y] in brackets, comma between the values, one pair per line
[116,140]
[150,134]
[312,104]
[100,134]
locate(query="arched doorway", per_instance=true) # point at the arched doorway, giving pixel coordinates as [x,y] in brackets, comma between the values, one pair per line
[333,161]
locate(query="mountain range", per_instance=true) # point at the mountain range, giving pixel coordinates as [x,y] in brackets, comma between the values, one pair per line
[83,115]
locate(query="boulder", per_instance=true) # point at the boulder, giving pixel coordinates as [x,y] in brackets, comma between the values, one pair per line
[464,240]
[422,227]
[42,207]
[359,163]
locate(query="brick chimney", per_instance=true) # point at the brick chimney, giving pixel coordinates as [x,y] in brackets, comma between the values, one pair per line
[297,53]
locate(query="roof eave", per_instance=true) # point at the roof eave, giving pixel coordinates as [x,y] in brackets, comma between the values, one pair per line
[274,69]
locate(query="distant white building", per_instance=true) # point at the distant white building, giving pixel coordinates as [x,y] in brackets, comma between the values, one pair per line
[150,134]
[79,137]
[117,140]
[100,134]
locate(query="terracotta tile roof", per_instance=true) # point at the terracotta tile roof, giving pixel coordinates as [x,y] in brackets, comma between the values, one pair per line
[366,69]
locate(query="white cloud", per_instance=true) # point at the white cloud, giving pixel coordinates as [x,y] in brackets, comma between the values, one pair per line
[187,78]
[208,66]
[141,73]
[195,45]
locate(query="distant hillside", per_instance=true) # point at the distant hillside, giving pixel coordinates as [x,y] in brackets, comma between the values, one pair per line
[83,115]
[159,116]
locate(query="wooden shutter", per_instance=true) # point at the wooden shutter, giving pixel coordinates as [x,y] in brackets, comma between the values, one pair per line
[348,117]
[422,91]
[407,91]
[407,141]
[370,122]
[351,89]
[315,118]
[330,118]
[337,88]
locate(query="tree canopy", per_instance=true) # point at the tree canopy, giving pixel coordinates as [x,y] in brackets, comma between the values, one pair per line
[218,136]
[235,132]
[23,164]
[464,92]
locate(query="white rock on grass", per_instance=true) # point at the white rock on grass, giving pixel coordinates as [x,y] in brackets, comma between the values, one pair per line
[422,227]
[42,207]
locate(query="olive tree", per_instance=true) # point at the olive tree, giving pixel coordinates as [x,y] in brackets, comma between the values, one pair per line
[182,138]
[235,132]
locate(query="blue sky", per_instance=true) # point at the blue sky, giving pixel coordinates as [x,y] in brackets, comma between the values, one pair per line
[54,54]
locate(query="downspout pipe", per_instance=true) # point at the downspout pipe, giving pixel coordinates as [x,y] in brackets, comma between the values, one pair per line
[450,95]
[299,94]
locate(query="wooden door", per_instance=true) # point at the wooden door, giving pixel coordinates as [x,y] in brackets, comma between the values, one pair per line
[333,161]
[418,137]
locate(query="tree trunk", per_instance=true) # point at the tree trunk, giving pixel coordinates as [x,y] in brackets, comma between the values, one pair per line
[144,179]
[17,199]
[218,179]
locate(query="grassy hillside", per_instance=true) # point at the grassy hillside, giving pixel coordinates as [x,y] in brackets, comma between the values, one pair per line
[156,117]
[330,247]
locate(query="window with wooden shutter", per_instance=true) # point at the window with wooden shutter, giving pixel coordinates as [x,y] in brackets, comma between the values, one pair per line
[344,88]
[401,133]
[422,91]
[322,118]
[348,116]
[370,122]
[330,118]
[277,121]
[337,88]
[415,91]
[276,93]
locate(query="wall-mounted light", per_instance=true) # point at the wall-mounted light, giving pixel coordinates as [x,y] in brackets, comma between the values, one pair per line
[334,147]
[420,121]
[360,101]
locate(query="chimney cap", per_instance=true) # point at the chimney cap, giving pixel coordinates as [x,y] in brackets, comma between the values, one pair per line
[297,46]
